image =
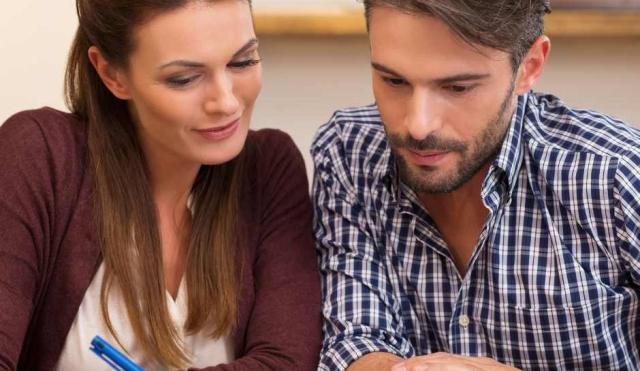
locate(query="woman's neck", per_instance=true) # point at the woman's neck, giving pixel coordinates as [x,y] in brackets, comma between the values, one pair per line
[171,180]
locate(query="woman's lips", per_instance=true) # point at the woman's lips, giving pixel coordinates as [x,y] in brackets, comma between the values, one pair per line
[220,132]
[427,158]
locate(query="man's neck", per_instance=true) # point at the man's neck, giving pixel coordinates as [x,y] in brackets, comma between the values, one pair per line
[466,199]
[459,216]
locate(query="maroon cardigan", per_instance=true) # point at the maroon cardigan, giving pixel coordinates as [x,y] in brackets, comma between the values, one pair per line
[49,253]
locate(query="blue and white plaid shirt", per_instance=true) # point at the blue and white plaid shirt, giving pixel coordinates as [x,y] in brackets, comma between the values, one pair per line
[554,282]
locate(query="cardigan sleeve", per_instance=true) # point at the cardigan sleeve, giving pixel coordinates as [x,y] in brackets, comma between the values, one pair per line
[284,329]
[26,202]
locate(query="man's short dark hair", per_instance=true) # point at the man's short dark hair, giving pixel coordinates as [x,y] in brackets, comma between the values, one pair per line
[508,25]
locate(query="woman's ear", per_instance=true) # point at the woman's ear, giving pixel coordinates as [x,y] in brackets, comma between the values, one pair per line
[112,77]
[533,64]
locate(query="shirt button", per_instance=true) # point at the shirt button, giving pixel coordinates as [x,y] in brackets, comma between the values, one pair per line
[464,321]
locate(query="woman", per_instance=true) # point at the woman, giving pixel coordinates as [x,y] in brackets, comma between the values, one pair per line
[152,216]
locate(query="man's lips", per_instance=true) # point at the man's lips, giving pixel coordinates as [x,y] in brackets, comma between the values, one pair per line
[427,158]
[427,153]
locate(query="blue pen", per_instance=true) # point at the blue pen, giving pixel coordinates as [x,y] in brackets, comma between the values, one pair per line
[113,357]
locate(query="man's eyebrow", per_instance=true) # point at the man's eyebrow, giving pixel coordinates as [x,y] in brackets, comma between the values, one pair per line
[461,77]
[385,69]
[191,64]
[440,81]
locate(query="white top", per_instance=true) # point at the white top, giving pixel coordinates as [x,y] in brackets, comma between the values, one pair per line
[88,323]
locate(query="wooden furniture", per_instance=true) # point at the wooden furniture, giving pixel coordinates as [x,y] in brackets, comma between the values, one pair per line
[569,23]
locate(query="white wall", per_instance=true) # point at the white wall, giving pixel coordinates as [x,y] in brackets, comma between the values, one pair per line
[306,79]
[35,36]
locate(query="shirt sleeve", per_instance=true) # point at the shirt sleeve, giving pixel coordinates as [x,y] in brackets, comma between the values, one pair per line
[25,190]
[360,314]
[627,214]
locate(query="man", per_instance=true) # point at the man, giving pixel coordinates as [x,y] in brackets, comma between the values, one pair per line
[465,222]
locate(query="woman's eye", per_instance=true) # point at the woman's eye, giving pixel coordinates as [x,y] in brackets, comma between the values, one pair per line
[181,81]
[244,64]
[394,82]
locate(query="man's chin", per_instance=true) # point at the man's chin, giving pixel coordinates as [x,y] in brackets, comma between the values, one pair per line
[427,180]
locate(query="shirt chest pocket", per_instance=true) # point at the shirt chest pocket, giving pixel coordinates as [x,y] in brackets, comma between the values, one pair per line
[575,336]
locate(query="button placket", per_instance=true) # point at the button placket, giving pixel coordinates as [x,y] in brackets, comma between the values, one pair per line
[464,321]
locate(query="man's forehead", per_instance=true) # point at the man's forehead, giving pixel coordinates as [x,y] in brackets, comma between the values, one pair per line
[404,41]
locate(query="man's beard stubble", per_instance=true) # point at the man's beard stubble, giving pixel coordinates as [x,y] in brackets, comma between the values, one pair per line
[473,158]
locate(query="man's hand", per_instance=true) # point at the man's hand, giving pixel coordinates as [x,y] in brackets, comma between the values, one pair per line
[450,362]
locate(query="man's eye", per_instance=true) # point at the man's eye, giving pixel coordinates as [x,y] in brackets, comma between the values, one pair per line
[458,88]
[394,82]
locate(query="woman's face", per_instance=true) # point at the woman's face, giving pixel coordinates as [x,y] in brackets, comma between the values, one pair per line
[192,81]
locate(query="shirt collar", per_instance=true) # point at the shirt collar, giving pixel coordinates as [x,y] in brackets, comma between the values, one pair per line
[390,176]
[508,162]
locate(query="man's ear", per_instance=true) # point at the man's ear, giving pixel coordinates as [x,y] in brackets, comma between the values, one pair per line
[112,77]
[533,64]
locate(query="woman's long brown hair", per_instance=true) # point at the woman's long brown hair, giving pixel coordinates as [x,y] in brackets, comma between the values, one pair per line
[125,210]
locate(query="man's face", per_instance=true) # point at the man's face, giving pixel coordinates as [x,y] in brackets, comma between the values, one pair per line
[446,105]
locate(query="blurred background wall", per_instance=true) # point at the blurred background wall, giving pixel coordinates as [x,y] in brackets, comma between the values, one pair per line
[306,77]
